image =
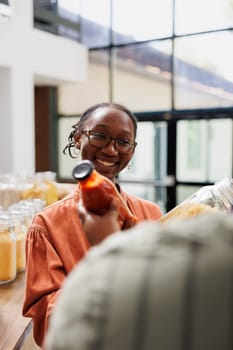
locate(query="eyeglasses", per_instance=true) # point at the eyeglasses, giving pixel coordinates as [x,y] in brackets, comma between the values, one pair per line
[101,140]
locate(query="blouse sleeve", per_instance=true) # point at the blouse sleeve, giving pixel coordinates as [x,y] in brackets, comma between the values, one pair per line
[43,280]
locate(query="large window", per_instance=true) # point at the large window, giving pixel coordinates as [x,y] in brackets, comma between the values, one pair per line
[204,155]
[204,150]
[141,76]
[60,17]
[96,23]
[194,16]
[203,71]
[146,175]
[134,21]
[169,61]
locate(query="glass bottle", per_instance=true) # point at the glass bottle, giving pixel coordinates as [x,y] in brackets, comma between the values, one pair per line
[97,192]
[217,197]
[7,250]
[19,220]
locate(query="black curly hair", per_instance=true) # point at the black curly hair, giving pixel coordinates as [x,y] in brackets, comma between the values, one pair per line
[71,145]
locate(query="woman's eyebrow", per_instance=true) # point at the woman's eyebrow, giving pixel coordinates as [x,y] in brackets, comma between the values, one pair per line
[106,127]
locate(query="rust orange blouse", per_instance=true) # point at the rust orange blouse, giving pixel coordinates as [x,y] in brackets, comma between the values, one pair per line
[55,243]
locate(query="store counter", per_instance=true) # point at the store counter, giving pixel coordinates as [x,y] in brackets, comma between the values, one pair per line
[15,330]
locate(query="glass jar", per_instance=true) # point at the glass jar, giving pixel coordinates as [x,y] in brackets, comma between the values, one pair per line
[217,197]
[19,221]
[43,187]
[7,250]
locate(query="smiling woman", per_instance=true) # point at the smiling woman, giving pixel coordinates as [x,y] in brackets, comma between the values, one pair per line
[94,133]
[58,239]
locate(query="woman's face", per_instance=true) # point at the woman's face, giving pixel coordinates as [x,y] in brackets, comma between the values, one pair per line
[107,160]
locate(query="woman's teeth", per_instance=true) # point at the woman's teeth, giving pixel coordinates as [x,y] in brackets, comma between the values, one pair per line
[102,162]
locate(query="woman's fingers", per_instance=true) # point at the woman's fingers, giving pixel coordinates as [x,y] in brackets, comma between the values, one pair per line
[98,227]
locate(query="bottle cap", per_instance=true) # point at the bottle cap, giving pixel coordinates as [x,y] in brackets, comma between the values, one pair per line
[83,170]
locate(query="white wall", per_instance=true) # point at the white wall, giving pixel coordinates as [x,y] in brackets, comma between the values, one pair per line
[30,57]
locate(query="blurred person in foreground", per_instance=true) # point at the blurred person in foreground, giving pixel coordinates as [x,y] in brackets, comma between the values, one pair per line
[56,240]
[160,286]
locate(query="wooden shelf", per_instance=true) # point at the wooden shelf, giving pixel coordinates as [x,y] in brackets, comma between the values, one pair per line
[15,330]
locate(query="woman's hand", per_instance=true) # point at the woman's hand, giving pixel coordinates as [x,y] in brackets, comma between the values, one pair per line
[97,227]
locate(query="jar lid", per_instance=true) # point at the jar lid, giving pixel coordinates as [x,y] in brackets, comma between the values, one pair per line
[83,170]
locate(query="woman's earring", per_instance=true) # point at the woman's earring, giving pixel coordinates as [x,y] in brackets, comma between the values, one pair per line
[129,166]
[77,149]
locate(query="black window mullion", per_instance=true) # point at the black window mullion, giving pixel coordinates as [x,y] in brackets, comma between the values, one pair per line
[171,162]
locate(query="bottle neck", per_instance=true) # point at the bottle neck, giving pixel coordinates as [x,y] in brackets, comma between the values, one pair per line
[94,179]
